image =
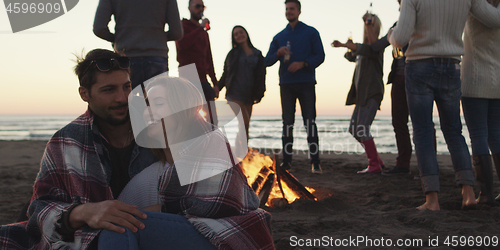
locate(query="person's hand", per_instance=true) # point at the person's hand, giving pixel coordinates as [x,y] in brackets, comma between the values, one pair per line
[216,90]
[349,43]
[110,214]
[283,51]
[337,44]
[295,66]
[204,22]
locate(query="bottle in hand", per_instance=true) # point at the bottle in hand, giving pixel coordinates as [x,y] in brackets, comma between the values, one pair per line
[207,24]
[286,58]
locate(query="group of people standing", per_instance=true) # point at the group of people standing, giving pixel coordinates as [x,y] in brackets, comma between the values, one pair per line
[427,69]
[98,188]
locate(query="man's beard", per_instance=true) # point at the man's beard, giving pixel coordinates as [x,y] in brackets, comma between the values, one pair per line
[114,121]
[117,122]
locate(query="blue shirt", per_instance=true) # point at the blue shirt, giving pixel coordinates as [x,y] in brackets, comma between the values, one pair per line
[305,44]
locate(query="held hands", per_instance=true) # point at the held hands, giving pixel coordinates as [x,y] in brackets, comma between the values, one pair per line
[216,90]
[113,215]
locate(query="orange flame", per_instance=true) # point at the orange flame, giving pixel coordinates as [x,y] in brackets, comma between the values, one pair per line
[252,165]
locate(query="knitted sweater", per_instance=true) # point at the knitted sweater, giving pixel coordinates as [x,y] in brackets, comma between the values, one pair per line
[434,28]
[140,25]
[481,62]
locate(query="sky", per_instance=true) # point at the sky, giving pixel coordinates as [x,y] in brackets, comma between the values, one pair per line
[36,65]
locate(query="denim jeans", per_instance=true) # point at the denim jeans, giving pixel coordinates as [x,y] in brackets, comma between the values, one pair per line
[439,82]
[362,119]
[162,231]
[144,68]
[306,94]
[483,121]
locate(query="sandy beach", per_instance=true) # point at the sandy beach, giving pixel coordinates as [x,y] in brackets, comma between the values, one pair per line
[360,207]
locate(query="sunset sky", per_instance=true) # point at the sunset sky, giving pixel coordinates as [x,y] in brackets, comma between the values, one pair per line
[36,65]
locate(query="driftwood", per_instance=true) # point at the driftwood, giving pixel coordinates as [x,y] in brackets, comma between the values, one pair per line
[266,190]
[266,178]
[261,179]
[295,184]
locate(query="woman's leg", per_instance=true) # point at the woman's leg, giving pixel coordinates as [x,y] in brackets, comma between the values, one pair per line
[162,231]
[476,117]
[365,117]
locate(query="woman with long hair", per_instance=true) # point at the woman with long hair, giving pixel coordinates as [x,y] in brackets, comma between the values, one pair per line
[244,74]
[481,100]
[367,89]
[196,196]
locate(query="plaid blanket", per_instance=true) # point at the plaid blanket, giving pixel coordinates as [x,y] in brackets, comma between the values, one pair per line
[223,208]
[74,169]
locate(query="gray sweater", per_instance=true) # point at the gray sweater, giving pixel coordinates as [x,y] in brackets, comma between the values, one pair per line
[481,61]
[434,28]
[140,25]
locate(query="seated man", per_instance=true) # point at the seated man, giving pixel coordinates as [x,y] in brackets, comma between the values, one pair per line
[85,166]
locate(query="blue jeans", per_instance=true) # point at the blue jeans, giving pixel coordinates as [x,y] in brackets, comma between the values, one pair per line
[144,68]
[162,231]
[306,94]
[483,121]
[439,82]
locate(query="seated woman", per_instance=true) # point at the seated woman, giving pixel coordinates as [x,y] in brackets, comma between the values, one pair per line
[202,194]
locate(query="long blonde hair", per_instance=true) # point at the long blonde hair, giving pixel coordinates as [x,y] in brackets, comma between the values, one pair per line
[377,24]
[186,101]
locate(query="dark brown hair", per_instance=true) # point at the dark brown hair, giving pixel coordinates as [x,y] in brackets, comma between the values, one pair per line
[294,1]
[87,76]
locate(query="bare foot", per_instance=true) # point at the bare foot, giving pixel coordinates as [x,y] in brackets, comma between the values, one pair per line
[431,202]
[469,200]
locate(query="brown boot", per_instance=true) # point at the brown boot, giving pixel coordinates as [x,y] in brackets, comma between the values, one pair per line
[496,160]
[484,177]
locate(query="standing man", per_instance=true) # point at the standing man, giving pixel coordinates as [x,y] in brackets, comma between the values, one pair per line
[434,30]
[140,33]
[85,166]
[299,49]
[194,47]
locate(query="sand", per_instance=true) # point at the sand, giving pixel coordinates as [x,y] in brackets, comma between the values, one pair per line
[354,207]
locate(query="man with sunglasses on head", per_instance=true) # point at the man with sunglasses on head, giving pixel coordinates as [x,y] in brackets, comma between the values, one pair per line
[194,47]
[85,166]
[140,33]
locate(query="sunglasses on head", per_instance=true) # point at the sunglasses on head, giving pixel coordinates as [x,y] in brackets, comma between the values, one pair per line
[105,65]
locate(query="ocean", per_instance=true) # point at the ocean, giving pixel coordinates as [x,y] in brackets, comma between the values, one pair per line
[265,132]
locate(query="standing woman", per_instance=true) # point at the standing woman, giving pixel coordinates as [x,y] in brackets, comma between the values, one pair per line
[367,89]
[481,100]
[244,74]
